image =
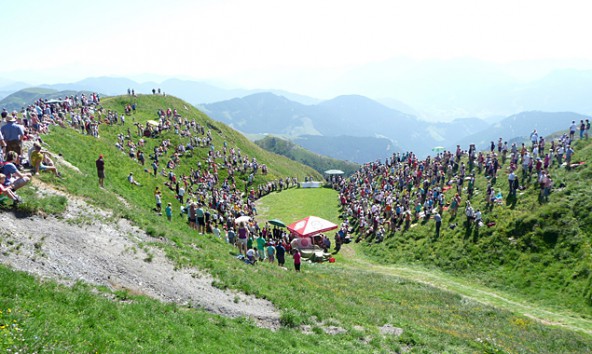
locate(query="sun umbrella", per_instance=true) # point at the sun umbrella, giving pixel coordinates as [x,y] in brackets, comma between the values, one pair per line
[311,225]
[277,222]
[244,218]
[334,172]
[153,122]
[438,149]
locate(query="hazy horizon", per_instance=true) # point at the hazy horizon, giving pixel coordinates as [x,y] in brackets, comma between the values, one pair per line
[406,51]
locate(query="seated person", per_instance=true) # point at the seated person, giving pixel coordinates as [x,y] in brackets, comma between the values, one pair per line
[251,253]
[7,191]
[40,161]
[14,178]
[131,180]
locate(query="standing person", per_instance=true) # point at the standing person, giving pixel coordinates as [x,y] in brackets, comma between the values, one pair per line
[270,252]
[13,134]
[438,220]
[181,194]
[572,129]
[511,179]
[280,252]
[201,219]
[231,236]
[169,211]
[155,167]
[100,163]
[243,235]
[297,258]
[261,242]
[158,199]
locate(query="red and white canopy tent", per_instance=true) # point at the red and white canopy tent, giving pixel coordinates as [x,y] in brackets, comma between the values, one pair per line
[310,226]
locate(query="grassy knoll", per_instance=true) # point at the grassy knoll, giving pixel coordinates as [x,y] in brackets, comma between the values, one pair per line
[39,316]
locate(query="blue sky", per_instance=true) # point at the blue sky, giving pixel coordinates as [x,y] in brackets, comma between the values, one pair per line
[296,45]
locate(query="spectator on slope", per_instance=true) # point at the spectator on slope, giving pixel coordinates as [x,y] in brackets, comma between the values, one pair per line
[438,220]
[297,259]
[572,129]
[131,180]
[169,211]
[13,134]
[280,252]
[200,219]
[158,200]
[243,236]
[568,155]
[512,183]
[261,242]
[231,236]
[270,249]
[14,178]
[7,191]
[100,164]
[41,162]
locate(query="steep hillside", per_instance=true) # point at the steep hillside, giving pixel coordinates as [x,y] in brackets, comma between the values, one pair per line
[539,248]
[297,153]
[346,147]
[147,107]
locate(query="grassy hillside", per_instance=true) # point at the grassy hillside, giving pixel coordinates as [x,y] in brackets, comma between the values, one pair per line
[325,308]
[297,153]
[539,249]
[24,97]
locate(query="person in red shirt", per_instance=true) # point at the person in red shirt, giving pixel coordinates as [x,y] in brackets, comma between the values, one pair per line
[297,257]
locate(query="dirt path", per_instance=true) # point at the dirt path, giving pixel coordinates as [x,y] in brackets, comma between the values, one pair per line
[89,245]
[475,292]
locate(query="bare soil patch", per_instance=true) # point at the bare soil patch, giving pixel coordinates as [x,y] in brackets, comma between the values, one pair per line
[89,245]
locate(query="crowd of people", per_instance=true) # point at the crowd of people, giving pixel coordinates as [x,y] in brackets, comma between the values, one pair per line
[384,198]
[209,205]
[15,131]
[378,200]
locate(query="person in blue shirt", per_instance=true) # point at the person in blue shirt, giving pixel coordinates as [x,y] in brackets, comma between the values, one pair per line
[14,178]
[13,134]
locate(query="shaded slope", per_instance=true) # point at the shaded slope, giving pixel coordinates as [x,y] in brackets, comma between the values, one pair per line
[297,153]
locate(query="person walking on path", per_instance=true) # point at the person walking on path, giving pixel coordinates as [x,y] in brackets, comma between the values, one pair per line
[100,163]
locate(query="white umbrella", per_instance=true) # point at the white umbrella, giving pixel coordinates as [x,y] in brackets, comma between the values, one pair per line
[244,218]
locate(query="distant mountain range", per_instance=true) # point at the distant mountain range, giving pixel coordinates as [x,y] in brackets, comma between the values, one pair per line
[378,130]
[358,129]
